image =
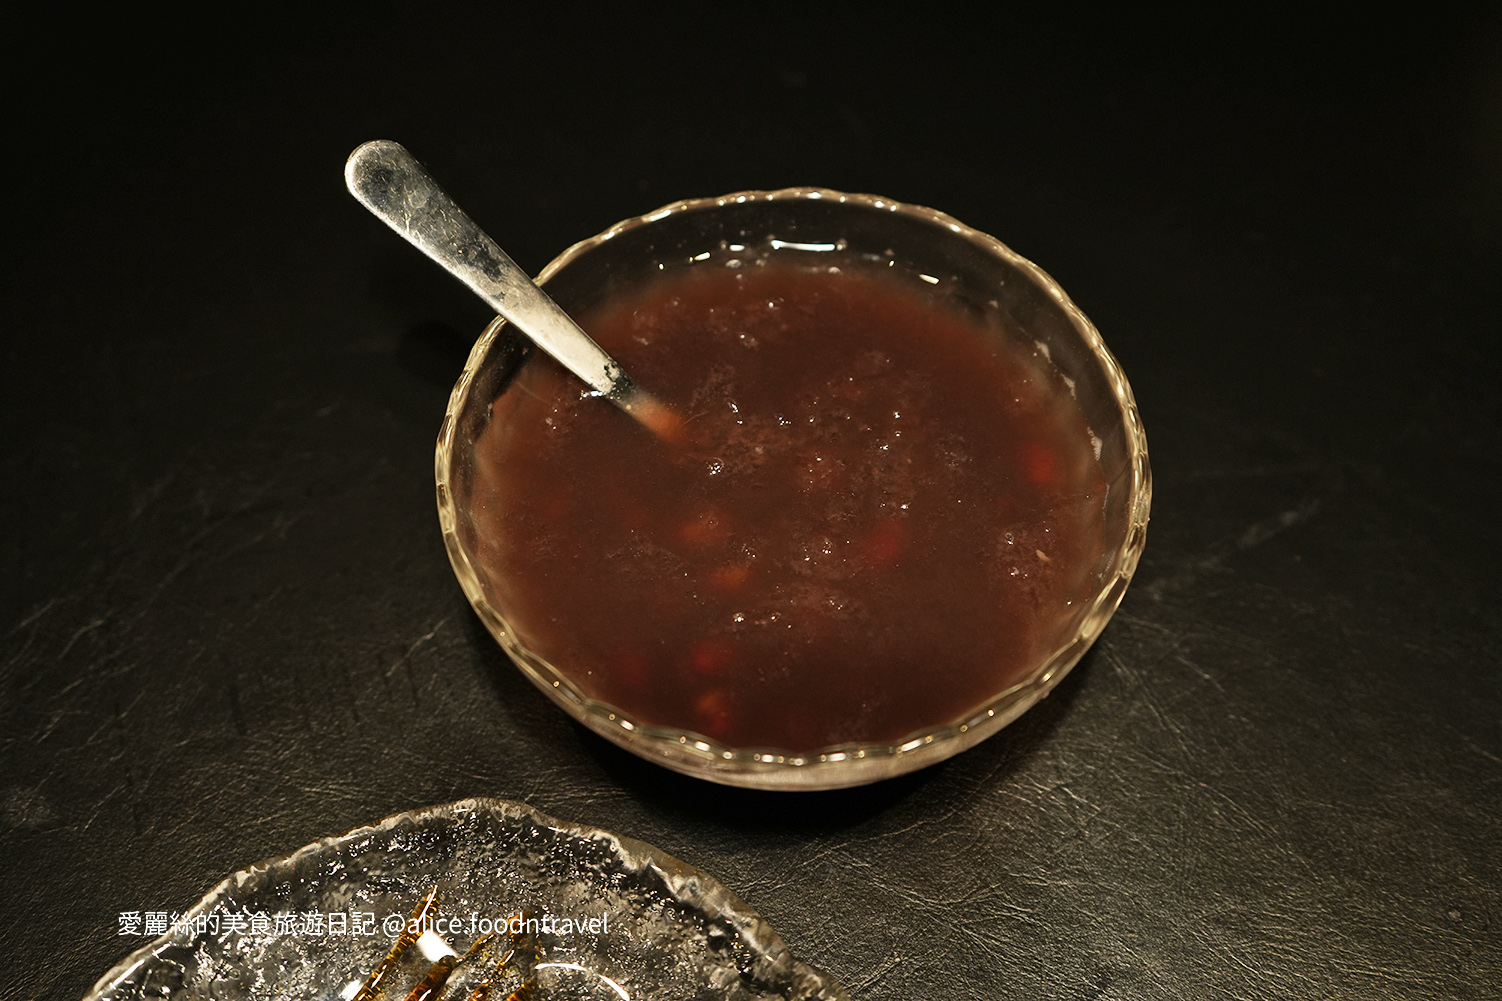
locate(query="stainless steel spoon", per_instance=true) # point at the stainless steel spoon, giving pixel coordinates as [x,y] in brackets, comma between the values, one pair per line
[398,190]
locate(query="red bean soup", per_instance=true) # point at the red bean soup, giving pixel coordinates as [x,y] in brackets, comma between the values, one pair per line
[883,514]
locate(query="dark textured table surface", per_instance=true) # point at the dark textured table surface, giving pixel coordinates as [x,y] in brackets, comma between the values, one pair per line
[229,627]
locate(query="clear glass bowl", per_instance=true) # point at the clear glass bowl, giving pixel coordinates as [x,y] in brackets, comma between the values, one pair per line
[975,273]
[314,923]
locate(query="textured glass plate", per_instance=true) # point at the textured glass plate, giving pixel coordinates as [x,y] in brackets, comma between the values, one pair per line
[650,926]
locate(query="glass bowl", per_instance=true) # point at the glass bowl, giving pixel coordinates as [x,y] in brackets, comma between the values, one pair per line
[970,273]
[609,917]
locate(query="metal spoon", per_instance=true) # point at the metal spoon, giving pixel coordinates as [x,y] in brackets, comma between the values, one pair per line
[398,190]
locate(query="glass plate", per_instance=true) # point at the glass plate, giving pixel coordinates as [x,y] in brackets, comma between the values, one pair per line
[612,918]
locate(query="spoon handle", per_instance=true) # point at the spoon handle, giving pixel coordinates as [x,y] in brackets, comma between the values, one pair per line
[394,186]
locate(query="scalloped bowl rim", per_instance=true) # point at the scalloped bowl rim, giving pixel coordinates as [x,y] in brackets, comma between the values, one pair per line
[752,926]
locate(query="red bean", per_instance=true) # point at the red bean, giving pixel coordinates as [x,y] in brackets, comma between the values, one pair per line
[710,656]
[712,713]
[709,528]
[885,543]
[730,579]
[1038,463]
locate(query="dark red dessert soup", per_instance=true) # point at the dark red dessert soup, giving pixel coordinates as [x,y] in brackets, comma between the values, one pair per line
[883,515]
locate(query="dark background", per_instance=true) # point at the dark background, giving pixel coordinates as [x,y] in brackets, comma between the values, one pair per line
[229,627]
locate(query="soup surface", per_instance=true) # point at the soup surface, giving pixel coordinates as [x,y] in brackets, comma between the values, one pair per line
[884,514]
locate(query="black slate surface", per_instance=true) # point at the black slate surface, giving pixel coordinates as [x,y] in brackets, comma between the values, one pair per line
[229,627]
